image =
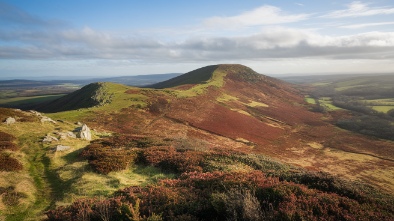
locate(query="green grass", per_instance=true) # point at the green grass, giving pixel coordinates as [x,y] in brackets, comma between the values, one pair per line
[310,100]
[321,83]
[328,105]
[117,98]
[225,97]
[216,81]
[326,102]
[383,109]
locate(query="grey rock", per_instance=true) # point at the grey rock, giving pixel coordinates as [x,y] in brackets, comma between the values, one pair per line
[85,133]
[62,148]
[10,120]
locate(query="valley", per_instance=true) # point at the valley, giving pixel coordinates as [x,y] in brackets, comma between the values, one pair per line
[220,140]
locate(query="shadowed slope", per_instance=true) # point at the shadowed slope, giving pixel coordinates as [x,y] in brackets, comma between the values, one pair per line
[89,96]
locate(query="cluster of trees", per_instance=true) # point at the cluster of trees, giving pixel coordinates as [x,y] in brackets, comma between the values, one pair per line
[369,125]
[368,92]
[366,120]
[351,103]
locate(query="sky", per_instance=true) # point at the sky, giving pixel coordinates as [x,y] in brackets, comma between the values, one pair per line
[74,38]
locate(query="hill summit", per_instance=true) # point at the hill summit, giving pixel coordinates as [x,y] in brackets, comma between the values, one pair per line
[204,74]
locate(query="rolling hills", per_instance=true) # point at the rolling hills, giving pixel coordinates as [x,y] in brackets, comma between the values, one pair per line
[215,140]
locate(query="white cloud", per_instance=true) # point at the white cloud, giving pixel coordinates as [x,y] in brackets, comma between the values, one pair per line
[264,15]
[359,9]
[365,25]
[272,42]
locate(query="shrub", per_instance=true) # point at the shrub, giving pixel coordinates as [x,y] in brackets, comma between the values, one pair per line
[105,159]
[8,163]
[391,113]
[6,145]
[237,204]
[10,197]
[6,137]
[222,195]
[158,106]
[168,158]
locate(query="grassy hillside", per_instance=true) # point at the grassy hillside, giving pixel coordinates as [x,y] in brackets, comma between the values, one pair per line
[197,76]
[89,96]
[237,146]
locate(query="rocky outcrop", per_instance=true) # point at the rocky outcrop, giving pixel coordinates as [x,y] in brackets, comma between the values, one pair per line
[85,133]
[10,120]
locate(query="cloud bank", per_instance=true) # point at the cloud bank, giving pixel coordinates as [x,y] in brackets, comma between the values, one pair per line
[27,37]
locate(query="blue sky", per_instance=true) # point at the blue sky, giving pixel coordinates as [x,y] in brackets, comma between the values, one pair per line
[124,37]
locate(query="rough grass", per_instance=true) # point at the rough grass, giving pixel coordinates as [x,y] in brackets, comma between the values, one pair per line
[216,81]
[225,98]
[29,181]
[256,104]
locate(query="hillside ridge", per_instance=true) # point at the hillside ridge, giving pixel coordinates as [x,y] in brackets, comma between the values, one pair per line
[94,94]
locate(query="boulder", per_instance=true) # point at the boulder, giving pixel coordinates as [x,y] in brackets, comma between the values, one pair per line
[85,133]
[47,119]
[10,120]
[62,148]
[49,138]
